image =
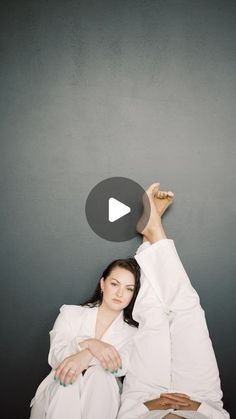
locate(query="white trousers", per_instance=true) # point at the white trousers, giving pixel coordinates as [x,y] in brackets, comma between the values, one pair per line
[173,351]
[93,395]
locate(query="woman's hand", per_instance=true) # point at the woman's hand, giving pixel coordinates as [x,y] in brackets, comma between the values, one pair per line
[105,353]
[178,397]
[178,401]
[72,366]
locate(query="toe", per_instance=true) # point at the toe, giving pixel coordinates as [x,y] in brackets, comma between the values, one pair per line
[155,189]
[159,195]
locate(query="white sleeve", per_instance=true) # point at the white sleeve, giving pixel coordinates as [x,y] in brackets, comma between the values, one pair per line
[210,411]
[135,409]
[63,343]
[132,409]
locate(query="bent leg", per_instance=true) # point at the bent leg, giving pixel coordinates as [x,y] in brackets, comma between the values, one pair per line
[62,402]
[94,394]
[38,409]
[100,396]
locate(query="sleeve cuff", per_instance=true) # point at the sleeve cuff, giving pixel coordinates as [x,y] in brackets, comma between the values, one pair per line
[203,408]
[76,342]
[143,409]
[142,247]
[211,412]
[159,414]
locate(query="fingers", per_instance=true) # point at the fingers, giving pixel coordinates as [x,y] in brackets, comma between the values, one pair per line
[110,359]
[107,362]
[103,362]
[70,376]
[66,376]
[168,403]
[112,362]
[177,398]
[175,395]
[66,373]
[117,358]
[107,355]
[59,370]
[178,406]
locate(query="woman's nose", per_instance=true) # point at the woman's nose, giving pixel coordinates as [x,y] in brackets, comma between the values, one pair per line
[119,292]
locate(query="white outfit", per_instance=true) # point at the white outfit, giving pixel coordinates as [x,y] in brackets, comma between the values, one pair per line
[172,351]
[96,394]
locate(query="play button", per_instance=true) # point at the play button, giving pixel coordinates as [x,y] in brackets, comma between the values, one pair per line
[117,210]
[113,208]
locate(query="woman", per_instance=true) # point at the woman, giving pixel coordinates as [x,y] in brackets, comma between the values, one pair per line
[173,371]
[89,348]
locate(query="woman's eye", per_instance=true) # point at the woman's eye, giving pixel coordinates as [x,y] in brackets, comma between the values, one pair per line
[130,289]
[113,283]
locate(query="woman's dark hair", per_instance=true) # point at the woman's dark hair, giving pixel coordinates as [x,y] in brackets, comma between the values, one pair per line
[131,265]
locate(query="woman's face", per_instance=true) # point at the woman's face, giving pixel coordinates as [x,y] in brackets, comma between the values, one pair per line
[118,288]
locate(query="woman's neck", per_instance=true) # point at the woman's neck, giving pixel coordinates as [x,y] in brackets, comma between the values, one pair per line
[107,312]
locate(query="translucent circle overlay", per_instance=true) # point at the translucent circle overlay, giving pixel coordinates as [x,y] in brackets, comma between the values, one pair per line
[129,193]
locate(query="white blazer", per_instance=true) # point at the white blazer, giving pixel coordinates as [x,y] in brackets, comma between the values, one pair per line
[76,323]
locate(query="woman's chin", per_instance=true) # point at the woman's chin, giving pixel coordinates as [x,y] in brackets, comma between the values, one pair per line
[117,306]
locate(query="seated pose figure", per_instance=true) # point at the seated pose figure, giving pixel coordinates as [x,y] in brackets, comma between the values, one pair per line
[89,350]
[173,372]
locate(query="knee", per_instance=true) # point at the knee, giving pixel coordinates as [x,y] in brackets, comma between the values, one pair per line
[104,384]
[99,375]
[96,370]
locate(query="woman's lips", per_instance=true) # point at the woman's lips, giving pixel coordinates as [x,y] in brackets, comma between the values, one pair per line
[116,301]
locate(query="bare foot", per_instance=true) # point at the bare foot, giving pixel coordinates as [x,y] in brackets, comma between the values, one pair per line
[162,199]
[146,224]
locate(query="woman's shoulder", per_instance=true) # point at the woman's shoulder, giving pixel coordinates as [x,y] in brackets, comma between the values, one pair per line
[71,309]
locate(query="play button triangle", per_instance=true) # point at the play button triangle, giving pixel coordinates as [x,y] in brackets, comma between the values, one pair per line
[116,209]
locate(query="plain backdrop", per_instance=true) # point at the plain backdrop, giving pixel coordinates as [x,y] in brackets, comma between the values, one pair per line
[95,89]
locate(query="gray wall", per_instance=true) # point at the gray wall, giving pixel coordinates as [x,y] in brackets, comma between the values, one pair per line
[95,89]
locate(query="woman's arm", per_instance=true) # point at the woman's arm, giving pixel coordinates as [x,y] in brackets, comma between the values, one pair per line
[92,351]
[63,343]
[105,353]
